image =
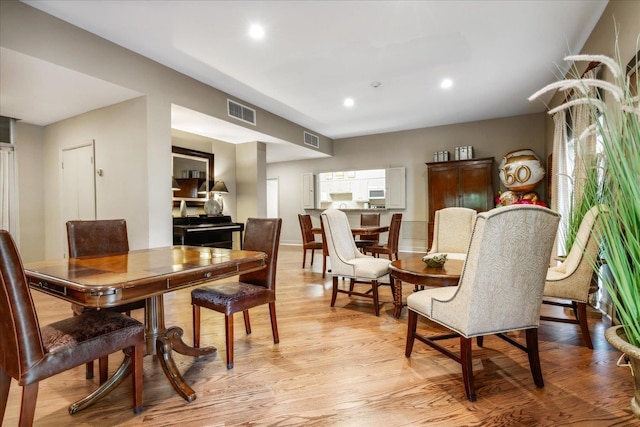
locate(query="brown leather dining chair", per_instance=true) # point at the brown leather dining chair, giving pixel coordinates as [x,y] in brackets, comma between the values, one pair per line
[391,247]
[30,353]
[368,219]
[94,238]
[251,290]
[309,242]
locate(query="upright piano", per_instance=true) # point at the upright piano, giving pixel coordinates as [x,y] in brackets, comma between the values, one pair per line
[215,231]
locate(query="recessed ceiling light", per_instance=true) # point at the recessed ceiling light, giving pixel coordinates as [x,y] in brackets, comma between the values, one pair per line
[256,32]
[375,84]
[446,83]
[348,102]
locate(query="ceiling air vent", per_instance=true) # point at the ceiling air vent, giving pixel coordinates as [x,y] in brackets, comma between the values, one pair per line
[241,112]
[311,140]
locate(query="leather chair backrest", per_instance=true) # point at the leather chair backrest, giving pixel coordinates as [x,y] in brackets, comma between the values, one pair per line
[503,278]
[263,234]
[20,340]
[370,218]
[394,232]
[99,237]
[305,228]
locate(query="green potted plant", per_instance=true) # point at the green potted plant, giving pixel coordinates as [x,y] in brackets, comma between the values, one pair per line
[616,117]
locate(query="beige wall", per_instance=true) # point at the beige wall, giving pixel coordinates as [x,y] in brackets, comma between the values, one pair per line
[411,149]
[251,181]
[120,139]
[29,152]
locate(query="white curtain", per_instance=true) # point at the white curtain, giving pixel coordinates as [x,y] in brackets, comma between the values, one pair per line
[585,148]
[7,190]
[561,182]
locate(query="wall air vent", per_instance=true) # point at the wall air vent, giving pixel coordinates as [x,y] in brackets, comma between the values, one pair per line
[241,112]
[311,140]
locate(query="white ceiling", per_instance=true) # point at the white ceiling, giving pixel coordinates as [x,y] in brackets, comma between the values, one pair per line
[316,53]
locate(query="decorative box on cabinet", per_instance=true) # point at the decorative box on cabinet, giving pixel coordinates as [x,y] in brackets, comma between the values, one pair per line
[461,183]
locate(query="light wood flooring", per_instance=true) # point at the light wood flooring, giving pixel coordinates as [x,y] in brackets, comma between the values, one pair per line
[343,366]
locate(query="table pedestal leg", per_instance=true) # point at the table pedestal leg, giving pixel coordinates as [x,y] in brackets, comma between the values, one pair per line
[162,341]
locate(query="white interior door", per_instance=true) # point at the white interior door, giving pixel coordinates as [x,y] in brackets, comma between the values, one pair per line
[78,185]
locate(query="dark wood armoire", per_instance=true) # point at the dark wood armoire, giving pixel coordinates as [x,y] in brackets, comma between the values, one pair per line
[459,183]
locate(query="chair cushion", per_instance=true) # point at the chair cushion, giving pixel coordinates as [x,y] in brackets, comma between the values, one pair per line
[77,330]
[420,301]
[80,339]
[232,297]
[370,267]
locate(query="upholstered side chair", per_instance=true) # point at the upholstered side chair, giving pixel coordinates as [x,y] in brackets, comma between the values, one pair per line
[29,353]
[452,229]
[573,279]
[95,238]
[251,289]
[348,262]
[390,248]
[500,289]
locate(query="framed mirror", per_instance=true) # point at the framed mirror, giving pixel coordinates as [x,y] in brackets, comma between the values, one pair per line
[192,170]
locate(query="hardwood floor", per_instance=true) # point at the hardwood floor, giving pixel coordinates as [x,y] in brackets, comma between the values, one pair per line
[343,366]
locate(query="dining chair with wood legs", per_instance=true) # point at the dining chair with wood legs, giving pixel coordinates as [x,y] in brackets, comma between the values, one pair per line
[368,219]
[500,289]
[573,279]
[251,289]
[30,353]
[348,262]
[94,238]
[390,248]
[309,243]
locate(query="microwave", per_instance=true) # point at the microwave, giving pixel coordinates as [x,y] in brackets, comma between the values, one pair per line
[376,193]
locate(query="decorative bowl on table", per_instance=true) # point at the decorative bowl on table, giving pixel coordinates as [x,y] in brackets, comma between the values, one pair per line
[435,261]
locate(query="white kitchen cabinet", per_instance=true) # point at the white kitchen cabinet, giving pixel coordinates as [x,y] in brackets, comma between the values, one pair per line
[341,186]
[395,188]
[324,188]
[308,191]
[359,190]
[376,183]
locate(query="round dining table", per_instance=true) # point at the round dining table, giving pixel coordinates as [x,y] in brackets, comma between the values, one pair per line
[415,271]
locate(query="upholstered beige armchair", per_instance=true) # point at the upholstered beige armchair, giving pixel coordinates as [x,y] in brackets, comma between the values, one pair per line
[452,229]
[347,261]
[500,288]
[572,279]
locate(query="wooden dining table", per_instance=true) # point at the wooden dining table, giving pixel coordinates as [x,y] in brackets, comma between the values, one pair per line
[146,274]
[414,270]
[360,230]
